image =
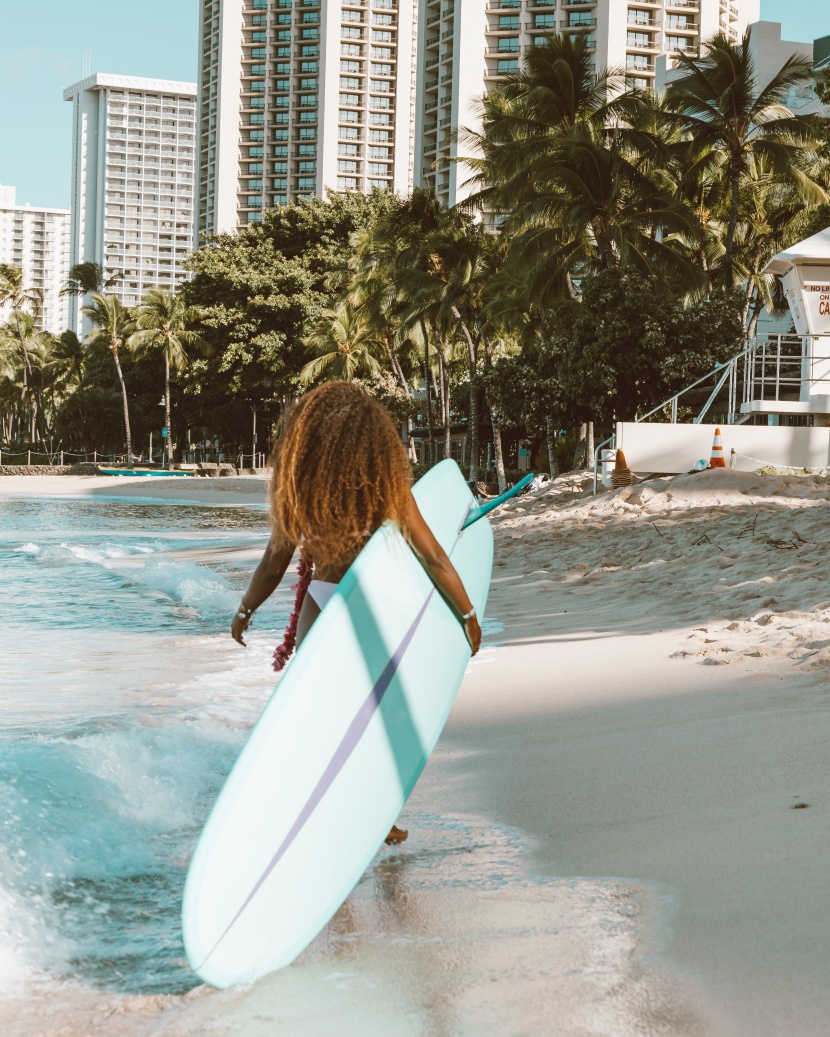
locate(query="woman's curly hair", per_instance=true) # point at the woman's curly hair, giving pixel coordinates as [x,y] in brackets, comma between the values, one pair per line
[340,472]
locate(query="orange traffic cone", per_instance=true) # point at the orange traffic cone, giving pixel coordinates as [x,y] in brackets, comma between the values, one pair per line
[717,460]
[621,476]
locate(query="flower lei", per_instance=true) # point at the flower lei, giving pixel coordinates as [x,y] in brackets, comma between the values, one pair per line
[283,652]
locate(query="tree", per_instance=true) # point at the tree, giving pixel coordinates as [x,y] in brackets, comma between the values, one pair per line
[345,344]
[717,102]
[628,345]
[84,278]
[573,176]
[112,325]
[164,322]
[260,292]
[13,291]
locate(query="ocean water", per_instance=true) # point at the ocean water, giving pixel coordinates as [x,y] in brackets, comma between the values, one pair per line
[123,704]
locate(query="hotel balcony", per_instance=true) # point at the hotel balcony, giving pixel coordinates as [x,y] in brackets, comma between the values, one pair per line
[687,27]
[581,26]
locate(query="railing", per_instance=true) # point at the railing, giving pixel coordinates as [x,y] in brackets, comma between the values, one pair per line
[774,369]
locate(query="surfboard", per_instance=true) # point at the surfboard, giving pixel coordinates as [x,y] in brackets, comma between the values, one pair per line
[339,747]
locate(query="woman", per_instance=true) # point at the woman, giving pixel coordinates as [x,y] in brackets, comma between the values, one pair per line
[340,472]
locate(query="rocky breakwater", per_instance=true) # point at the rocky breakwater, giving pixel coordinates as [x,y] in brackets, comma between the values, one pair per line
[84,468]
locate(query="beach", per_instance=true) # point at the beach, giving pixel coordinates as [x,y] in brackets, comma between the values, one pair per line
[623,828]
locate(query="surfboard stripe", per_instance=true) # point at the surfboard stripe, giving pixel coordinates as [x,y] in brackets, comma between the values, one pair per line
[347,745]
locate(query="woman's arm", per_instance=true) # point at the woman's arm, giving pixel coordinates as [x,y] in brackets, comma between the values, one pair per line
[264,582]
[442,572]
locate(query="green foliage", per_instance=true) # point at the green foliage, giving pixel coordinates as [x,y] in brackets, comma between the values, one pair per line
[260,290]
[628,345]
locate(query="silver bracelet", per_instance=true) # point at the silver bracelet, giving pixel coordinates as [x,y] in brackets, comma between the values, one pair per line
[243,613]
[470,614]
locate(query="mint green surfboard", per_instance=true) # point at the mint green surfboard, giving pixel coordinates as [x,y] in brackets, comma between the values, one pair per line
[339,747]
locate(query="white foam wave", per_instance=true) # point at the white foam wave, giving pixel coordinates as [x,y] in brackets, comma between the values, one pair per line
[28,549]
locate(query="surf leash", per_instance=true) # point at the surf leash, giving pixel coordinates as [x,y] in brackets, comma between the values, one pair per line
[480,510]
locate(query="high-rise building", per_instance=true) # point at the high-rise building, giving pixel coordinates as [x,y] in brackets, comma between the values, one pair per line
[37,240]
[297,97]
[466,46]
[133,145]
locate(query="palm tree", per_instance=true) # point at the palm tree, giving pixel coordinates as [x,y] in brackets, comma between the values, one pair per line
[112,325]
[345,343]
[88,277]
[164,321]
[717,102]
[12,291]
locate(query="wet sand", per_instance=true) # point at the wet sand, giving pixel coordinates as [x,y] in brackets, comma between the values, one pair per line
[228,490]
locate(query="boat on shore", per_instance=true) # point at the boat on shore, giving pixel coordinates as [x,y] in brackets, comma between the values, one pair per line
[141,471]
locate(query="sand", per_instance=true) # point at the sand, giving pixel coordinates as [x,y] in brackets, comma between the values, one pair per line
[659,712]
[655,719]
[228,490]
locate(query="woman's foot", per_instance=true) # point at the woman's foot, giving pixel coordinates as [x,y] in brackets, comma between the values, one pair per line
[397,835]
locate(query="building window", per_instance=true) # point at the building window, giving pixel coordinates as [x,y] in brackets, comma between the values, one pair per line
[638,39]
[308,84]
[308,100]
[307,149]
[510,44]
[255,168]
[347,183]
[280,167]
[254,200]
[279,183]
[509,21]
[308,167]
[306,183]
[506,65]
[346,166]
[349,83]
[378,169]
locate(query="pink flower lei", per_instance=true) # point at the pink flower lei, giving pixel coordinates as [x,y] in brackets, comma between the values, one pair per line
[283,652]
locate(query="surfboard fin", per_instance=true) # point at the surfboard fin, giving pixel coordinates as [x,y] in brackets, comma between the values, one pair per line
[480,510]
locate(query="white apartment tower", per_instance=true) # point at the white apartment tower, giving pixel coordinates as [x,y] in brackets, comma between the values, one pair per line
[297,97]
[466,46]
[133,154]
[37,240]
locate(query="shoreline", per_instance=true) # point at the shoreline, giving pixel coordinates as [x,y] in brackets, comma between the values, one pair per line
[652,711]
[227,490]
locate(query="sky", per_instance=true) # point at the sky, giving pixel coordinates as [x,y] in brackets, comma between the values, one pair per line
[42,48]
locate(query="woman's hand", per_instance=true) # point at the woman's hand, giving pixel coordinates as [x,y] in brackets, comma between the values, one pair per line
[239,624]
[473,632]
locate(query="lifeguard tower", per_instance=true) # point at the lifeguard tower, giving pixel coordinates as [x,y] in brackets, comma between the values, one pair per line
[772,399]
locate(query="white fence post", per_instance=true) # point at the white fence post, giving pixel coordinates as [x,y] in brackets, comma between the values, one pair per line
[29,459]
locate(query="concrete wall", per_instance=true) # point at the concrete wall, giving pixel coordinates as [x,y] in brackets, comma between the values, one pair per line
[675,448]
